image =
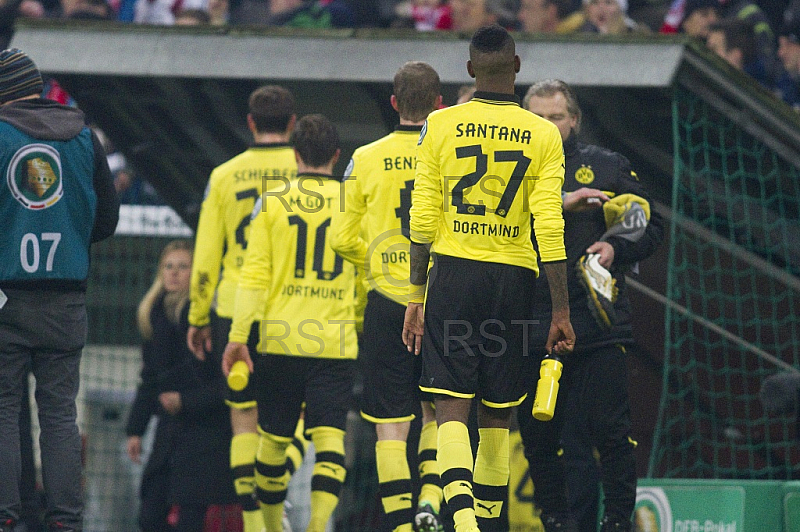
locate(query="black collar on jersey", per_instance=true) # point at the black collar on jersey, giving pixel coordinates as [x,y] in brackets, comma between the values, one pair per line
[571,144]
[323,176]
[403,127]
[497,96]
[271,145]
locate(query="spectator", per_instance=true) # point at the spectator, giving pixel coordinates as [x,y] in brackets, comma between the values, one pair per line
[219,12]
[192,17]
[544,16]
[295,13]
[59,199]
[610,17]
[470,15]
[426,15]
[735,41]
[789,40]
[699,15]
[188,465]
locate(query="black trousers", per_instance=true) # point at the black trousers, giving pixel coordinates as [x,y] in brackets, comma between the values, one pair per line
[593,412]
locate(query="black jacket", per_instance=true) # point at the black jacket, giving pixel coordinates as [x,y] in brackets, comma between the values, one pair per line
[199,444]
[594,167]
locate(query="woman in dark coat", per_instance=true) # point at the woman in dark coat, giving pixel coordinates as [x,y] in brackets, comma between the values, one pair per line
[188,465]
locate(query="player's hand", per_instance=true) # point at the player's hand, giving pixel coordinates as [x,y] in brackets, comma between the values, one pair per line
[561,336]
[170,402]
[135,449]
[199,341]
[606,252]
[413,327]
[234,352]
[584,199]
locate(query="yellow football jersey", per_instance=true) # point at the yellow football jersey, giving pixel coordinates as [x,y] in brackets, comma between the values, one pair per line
[223,228]
[371,229]
[309,290]
[483,168]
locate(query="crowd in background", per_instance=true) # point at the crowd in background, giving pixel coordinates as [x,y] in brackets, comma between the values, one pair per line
[758,37]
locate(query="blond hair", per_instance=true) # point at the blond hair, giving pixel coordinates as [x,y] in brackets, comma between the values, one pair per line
[174,303]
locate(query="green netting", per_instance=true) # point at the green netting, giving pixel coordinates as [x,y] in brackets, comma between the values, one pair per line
[734,257]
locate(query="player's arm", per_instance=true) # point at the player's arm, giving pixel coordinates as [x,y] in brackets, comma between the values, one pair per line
[254,282]
[345,230]
[426,209]
[546,205]
[209,243]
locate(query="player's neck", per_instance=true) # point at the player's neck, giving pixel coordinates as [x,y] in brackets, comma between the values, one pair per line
[406,122]
[326,169]
[271,138]
[502,86]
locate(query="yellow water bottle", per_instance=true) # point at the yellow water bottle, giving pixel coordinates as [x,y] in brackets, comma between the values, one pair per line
[544,404]
[238,376]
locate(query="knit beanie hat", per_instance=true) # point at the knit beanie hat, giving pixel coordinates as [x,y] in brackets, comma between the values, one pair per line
[693,5]
[19,77]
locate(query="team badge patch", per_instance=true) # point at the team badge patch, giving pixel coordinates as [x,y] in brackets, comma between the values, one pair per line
[422,133]
[584,175]
[34,176]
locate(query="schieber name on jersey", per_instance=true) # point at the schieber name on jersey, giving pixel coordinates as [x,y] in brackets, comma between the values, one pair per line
[34,176]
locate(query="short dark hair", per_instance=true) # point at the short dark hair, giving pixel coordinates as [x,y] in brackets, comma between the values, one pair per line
[316,140]
[739,34]
[550,87]
[272,108]
[492,51]
[416,87]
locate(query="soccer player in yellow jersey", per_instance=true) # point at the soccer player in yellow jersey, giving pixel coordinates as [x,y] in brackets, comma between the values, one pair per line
[483,167]
[378,185]
[222,235]
[308,342]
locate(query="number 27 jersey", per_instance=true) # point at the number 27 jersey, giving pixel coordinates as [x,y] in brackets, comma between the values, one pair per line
[483,168]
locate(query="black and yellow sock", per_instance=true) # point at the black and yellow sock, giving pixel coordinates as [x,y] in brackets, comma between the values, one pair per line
[455,463]
[491,477]
[328,475]
[297,449]
[394,484]
[431,489]
[243,465]
[272,479]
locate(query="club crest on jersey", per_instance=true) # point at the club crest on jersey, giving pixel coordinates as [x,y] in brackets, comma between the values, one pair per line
[584,175]
[422,133]
[34,176]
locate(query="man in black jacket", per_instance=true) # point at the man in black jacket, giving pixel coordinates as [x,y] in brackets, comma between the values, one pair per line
[57,197]
[609,227]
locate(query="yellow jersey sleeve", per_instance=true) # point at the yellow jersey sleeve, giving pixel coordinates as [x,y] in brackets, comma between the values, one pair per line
[207,256]
[546,203]
[255,278]
[427,198]
[345,229]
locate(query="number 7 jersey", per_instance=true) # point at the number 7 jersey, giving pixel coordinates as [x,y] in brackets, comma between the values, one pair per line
[308,289]
[483,168]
